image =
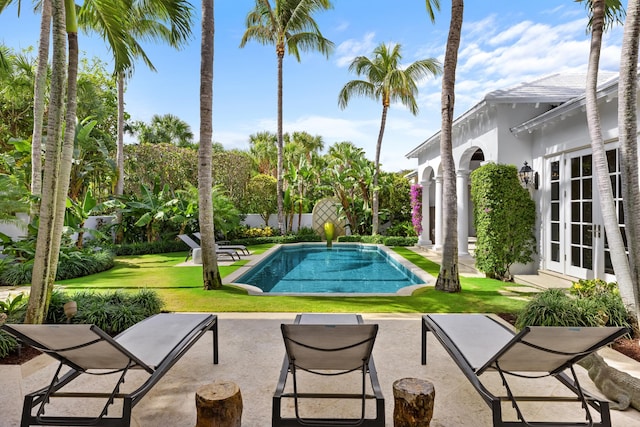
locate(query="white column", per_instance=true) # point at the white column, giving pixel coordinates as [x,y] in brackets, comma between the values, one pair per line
[462,190]
[438,213]
[424,238]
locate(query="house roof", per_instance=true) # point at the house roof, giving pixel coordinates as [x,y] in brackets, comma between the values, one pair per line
[554,89]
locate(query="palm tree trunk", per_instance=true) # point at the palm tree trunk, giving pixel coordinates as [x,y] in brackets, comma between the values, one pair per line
[376,172]
[39,298]
[38,104]
[280,167]
[609,212]
[628,126]
[448,278]
[120,137]
[210,274]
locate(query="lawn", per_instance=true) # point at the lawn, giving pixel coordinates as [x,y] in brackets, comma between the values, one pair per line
[181,290]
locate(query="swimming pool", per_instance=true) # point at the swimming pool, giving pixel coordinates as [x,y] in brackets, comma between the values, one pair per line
[343,269]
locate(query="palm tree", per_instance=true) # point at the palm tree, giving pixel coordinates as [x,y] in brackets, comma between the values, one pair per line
[604,13]
[290,27]
[38,97]
[387,81]
[627,126]
[264,150]
[45,262]
[448,278]
[210,274]
[122,24]
[166,128]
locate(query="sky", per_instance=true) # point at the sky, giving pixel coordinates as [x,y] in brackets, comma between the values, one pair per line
[504,42]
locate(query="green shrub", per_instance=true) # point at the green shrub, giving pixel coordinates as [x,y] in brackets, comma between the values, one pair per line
[556,307]
[113,312]
[504,217]
[8,344]
[159,247]
[375,239]
[72,264]
[592,287]
[353,238]
[400,241]
[401,229]
[14,308]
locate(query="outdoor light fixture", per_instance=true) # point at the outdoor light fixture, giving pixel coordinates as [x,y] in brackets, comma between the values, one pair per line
[528,177]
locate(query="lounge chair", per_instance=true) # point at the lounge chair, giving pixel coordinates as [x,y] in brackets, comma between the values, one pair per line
[479,343]
[333,344]
[193,246]
[153,345]
[224,245]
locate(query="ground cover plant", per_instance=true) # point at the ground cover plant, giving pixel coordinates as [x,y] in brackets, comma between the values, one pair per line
[180,288]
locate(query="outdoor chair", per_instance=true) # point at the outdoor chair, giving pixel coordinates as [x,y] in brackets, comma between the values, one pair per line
[193,245]
[329,345]
[224,245]
[479,343]
[153,345]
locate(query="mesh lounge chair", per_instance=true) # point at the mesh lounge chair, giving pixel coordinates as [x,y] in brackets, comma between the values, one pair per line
[328,345]
[193,245]
[223,244]
[153,345]
[478,343]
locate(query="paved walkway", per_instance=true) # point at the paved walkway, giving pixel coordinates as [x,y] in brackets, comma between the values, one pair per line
[251,354]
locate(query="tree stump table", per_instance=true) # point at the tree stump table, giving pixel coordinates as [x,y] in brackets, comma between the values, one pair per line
[219,404]
[413,402]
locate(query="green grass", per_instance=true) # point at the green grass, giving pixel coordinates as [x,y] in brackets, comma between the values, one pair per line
[181,290]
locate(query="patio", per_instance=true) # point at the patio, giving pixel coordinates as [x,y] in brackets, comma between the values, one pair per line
[251,354]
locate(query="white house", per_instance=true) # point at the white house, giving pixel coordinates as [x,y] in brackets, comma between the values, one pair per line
[543,123]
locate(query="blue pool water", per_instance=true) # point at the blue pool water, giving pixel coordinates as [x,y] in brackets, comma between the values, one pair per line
[318,269]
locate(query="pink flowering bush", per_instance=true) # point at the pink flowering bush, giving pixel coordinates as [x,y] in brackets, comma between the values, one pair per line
[416,208]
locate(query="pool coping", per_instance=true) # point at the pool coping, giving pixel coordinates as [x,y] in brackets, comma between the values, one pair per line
[428,280]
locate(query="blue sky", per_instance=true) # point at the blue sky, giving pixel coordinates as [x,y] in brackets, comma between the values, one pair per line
[504,42]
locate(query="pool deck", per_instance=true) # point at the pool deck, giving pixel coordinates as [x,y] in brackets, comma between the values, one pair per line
[251,354]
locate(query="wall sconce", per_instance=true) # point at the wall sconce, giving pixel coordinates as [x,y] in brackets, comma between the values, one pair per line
[528,177]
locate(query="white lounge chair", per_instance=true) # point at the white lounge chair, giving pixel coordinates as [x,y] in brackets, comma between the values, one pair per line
[193,245]
[327,344]
[479,343]
[153,345]
[224,245]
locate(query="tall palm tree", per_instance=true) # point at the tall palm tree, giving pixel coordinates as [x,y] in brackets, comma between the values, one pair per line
[604,13]
[448,278]
[210,273]
[45,261]
[628,126]
[38,97]
[123,25]
[291,28]
[387,80]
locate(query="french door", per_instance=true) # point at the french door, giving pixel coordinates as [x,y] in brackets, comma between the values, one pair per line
[575,237]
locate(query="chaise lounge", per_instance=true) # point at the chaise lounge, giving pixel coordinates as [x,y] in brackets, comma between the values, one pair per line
[153,345]
[479,343]
[328,344]
[193,245]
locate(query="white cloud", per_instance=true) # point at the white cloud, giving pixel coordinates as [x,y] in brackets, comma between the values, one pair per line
[349,49]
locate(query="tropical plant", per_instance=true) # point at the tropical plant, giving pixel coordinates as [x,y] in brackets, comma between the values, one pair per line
[166,128]
[416,208]
[261,196]
[290,27]
[152,209]
[386,80]
[263,147]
